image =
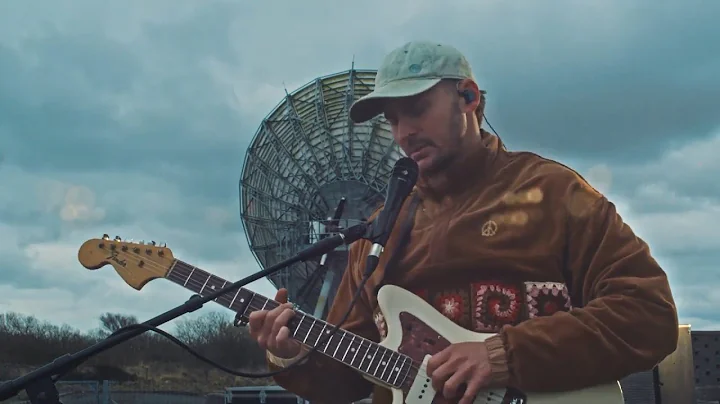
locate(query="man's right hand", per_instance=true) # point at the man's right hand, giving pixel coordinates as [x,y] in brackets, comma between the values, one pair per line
[269,328]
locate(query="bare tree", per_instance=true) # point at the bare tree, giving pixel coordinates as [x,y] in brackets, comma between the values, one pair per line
[111,322]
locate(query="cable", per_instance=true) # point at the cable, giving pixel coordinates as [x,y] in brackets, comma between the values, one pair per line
[300,360]
[491,127]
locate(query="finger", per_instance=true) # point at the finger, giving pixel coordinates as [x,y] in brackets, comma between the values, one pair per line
[438,359]
[272,315]
[472,390]
[281,296]
[441,375]
[283,335]
[452,386]
[280,322]
[255,321]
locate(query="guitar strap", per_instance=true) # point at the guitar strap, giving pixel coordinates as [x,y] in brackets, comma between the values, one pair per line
[403,241]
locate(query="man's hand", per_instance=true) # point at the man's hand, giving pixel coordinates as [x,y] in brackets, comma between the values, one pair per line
[269,328]
[460,365]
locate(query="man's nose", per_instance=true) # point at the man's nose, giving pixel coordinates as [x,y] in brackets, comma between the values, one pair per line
[406,129]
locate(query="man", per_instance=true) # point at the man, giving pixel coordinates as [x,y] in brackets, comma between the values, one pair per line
[505,243]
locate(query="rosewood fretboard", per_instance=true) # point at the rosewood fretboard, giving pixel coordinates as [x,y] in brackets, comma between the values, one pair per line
[361,354]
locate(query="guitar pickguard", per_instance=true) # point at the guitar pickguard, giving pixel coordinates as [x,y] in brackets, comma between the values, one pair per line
[420,340]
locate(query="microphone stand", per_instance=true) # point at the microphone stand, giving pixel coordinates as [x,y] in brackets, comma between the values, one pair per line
[40,383]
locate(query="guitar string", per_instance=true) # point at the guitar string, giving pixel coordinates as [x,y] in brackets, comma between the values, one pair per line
[255,304]
[164,271]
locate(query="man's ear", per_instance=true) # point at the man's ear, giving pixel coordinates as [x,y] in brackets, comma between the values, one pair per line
[471,94]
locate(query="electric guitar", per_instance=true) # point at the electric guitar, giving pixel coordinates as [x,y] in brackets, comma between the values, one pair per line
[415,329]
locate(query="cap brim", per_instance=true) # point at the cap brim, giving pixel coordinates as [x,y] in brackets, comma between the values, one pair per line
[370,105]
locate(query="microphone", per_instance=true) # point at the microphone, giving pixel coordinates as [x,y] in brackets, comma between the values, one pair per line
[346,236]
[402,181]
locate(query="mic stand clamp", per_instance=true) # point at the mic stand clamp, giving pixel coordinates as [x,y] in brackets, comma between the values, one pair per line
[40,383]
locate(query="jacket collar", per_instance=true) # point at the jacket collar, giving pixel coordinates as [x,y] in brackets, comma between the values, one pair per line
[473,168]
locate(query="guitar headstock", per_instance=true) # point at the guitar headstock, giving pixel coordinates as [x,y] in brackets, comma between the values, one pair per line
[136,262]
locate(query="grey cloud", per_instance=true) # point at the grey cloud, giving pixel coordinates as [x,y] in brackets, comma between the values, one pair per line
[138,105]
[607,83]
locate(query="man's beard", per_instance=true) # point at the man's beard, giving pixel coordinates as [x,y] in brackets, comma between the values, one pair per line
[451,151]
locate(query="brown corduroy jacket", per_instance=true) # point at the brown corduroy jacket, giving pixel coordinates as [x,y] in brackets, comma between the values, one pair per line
[521,247]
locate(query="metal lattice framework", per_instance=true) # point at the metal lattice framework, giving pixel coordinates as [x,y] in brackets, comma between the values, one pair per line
[306,155]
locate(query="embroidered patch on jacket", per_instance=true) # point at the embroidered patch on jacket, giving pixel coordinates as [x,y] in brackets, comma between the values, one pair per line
[496,304]
[546,298]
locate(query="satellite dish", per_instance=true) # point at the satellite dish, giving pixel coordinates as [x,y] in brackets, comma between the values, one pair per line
[304,158]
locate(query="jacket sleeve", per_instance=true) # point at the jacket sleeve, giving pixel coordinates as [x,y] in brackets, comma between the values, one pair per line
[627,323]
[322,379]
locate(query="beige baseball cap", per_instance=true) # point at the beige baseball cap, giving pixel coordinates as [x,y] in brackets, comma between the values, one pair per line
[410,70]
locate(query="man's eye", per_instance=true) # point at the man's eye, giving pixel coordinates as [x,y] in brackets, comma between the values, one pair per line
[416,109]
[390,119]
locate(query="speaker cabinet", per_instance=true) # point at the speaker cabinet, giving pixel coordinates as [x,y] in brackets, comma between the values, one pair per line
[706,355]
[672,381]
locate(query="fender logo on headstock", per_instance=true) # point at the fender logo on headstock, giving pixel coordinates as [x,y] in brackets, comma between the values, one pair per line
[114,257]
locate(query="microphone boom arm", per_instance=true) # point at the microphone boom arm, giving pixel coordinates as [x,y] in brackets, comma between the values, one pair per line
[40,383]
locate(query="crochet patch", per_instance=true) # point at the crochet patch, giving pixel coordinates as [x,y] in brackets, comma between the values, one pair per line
[546,298]
[380,323]
[496,304]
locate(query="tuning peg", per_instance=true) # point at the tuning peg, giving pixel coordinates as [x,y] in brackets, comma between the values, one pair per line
[163,245]
[117,238]
[105,237]
[153,242]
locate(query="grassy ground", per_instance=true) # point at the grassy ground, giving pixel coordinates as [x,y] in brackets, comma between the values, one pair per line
[156,377]
[164,377]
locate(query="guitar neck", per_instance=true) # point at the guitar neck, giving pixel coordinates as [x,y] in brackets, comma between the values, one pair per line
[370,358]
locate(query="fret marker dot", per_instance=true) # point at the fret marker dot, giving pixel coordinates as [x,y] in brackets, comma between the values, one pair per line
[242,300]
[382,363]
[212,287]
[368,356]
[397,369]
[352,349]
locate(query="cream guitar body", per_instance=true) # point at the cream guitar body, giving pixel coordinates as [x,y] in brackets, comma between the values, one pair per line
[416,329]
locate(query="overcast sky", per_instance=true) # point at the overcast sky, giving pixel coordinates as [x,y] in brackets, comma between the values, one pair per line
[132,118]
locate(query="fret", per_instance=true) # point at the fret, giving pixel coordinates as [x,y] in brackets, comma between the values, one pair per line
[348,348]
[338,344]
[400,371]
[189,276]
[365,356]
[380,361]
[172,267]
[357,352]
[205,284]
[234,297]
[370,363]
[389,367]
[329,341]
[192,277]
[222,286]
[394,370]
[320,334]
